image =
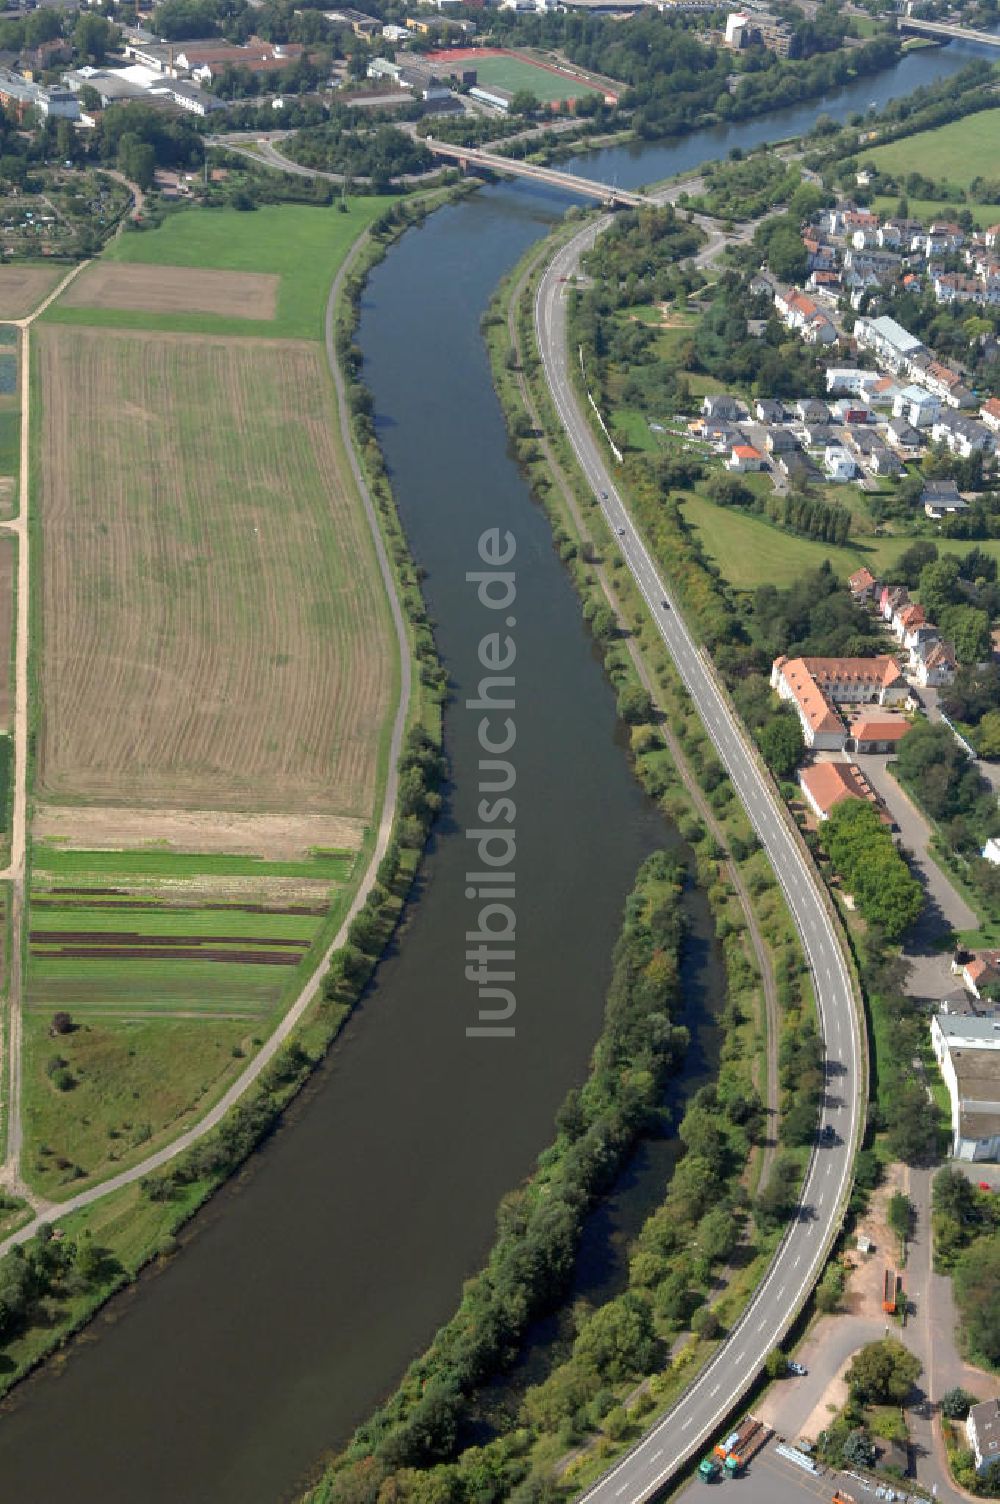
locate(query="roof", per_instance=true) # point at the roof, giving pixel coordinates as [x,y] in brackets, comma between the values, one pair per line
[870,728]
[982,1031]
[911,615]
[812,702]
[991,407]
[985,1420]
[861,579]
[883,670]
[830,783]
[747,452]
[940,490]
[895,334]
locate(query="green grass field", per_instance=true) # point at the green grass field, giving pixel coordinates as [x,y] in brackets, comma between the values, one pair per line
[927,209]
[751,552]
[957,152]
[514,73]
[302,245]
[89,867]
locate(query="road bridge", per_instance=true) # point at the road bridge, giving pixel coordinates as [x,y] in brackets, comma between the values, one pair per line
[945,30]
[470,158]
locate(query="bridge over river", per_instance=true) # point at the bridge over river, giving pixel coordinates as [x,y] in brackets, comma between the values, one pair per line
[470,158]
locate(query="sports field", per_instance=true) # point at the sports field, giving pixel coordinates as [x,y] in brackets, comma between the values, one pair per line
[514,72]
[957,152]
[214,634]
[300,245]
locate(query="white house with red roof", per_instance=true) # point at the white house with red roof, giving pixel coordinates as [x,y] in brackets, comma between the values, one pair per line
[744,457]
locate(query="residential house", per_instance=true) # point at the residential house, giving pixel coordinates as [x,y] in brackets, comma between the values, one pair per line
[961,435]
[744,457]
[990,413]
[907,616]
[890,343]
[766,410]
[824,785]
[940,498]
[991,851]
[780,441]
[968,1052]
[872,733]
[799,469]
[722,405]
[804,316]
[722,435]
[812,410]
[918,406]
[850,410]
[839,465]
[862,584]
[904,437]
[891,598]
[979,970]
[818,433]
[982,1430]
[883,463]
[937,667]
[849,381]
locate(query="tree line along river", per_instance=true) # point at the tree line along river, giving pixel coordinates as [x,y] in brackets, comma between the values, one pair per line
[307,1285]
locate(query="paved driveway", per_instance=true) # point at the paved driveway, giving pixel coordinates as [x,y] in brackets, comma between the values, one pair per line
[945,909]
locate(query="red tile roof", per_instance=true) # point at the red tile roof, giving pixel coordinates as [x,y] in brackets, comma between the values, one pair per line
[870,728]
[829,783]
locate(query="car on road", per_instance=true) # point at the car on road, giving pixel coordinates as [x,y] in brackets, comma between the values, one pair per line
[666,604]
[604,495]
[797,1369]
[827,1134]
[621,532]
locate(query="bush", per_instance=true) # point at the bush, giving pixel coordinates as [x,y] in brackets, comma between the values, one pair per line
[956,1403]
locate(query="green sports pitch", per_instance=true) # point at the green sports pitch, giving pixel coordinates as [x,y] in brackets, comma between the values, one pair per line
[515,74]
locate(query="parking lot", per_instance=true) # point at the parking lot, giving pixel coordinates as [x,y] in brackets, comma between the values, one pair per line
[771,1479]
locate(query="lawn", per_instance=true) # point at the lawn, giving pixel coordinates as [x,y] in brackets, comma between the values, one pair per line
[128,1085]
[750,551]
[515,73]
[926,209]
[956,152]
[301,244]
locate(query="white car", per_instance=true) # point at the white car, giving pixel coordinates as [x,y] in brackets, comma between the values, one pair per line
[797,1369]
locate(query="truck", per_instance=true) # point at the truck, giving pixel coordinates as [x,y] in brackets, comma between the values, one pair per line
[708,1469]
[890,1288]
[842,1498]
[750,1437]
[722,1449]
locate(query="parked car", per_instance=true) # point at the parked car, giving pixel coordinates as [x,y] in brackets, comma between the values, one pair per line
[797,1369]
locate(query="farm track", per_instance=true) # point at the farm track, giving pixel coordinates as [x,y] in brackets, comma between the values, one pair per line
[247,1078]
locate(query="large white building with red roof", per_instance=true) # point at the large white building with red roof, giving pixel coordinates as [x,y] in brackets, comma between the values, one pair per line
[816,686]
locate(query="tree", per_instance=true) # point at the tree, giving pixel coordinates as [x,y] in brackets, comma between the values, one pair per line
[776,1365]
[939,586]
[62,1023]
[782,744]
[988,735]
[883,1373]
[635,705]
[969,629]
[956,1403]
[93,37]
[976,1283]
[859,1449]
[618,1340]
[524,103]
[900,1216]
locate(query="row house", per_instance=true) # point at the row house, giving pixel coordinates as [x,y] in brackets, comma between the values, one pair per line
[891,344]
[953,287]
[801,314]
[990,413]
[884,265]
[933,663]
[863,585]
[962,436]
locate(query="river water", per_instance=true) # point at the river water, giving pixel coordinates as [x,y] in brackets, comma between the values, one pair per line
[306,1287]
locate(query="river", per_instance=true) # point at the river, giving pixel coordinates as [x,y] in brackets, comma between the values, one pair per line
[306,1286]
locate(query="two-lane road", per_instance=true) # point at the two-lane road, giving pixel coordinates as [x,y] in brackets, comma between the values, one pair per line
[725,1380]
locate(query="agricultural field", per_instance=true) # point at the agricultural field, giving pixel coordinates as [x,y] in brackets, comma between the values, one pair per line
[957,152]
[751,552]
[8,570]
[301,245]
[174,289]
[22,288]
[209,641]
[170,966]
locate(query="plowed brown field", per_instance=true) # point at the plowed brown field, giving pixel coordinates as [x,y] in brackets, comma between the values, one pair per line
[213,633]
[22,288]
[174,289]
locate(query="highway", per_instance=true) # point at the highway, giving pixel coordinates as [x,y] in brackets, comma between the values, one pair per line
[703,1408]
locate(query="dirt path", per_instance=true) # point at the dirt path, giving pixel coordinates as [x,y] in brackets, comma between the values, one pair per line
[771,1092]
[14,873]
[9,1174]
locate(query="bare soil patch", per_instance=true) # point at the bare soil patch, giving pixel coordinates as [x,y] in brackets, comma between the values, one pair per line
[22,288]
[174,289]
[288,838]
[214,635]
